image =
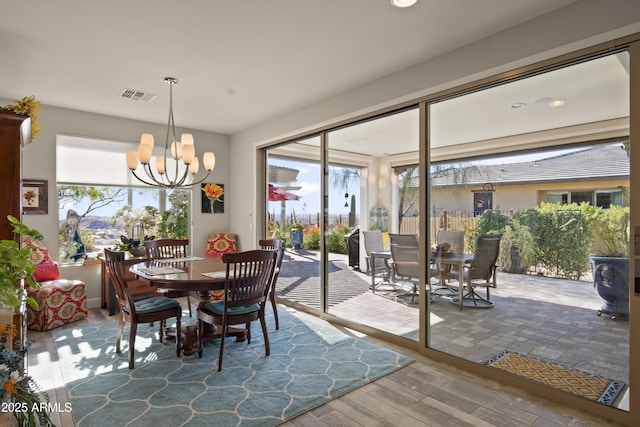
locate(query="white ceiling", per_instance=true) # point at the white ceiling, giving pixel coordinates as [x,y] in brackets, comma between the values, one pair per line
[239,63]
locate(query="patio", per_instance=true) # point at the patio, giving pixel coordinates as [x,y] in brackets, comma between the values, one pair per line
[546,318]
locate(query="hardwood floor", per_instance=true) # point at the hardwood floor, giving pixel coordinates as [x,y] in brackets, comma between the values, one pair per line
[425,393]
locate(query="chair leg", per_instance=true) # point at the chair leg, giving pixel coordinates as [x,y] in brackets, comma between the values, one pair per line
[178,332]
[263,323]
[119,334]
[272,297]
[224,334]
[163,324]
[189,305]
[133,329]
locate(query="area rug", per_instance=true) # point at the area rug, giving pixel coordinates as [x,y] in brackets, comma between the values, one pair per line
[311,362]
[573,381]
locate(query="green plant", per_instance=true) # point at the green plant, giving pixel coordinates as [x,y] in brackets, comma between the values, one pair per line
[517,236]
[297,227]
[610,228]
[563,239]
[17,266]
[312,242]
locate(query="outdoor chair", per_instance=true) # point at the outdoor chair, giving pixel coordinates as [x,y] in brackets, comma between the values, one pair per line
[455,240]
[247,284]
[405,261]
[154,309]
[480,272]
[169,249]
[373,243]
[277,245]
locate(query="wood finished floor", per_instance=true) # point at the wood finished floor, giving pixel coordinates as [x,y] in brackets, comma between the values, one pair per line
[425,393]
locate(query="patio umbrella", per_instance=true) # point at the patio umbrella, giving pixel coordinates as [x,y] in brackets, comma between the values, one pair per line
[277,195]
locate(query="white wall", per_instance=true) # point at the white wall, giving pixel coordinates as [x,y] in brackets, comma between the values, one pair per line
[39,163]
[577,26]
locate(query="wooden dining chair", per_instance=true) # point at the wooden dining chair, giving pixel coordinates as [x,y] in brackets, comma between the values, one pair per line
[248,278]
[279,246]
[154,309]
[168,249]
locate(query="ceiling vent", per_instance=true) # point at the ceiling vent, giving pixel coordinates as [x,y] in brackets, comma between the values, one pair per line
[137,95]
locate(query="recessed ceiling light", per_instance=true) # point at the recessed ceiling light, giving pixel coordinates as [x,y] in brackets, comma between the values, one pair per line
[556,104]
[544,100]
[518,105]
[403,3]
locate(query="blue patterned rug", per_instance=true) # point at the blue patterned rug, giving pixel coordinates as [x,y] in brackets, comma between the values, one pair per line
[311,362]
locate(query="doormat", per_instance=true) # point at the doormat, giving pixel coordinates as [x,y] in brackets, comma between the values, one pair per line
[579,383]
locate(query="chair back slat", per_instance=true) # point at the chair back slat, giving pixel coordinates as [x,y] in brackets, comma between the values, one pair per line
[166,248]
[249,276]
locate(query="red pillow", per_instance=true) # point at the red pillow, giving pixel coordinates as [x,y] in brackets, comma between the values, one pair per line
[46,271]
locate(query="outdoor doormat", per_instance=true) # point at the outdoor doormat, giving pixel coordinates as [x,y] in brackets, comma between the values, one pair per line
[579,383]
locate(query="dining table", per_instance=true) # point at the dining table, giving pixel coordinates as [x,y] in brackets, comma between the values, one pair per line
[455,260]
[199,275]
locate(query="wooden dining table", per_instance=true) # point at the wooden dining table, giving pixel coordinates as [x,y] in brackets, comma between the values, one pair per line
[200,275]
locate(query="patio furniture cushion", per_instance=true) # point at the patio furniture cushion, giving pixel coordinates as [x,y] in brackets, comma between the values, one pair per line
[220,243]
[60,302]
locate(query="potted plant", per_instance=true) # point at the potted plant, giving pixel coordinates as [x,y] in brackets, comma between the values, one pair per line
[17,267]
[296,235]
[16,387]
[610,257]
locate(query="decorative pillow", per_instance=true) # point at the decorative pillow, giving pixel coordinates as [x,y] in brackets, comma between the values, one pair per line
[39,252]
[46,271]
[220,243]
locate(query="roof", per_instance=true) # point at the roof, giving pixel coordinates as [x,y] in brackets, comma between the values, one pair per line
[593,163]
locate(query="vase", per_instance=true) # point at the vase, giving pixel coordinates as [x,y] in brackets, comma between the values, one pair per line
[611,280]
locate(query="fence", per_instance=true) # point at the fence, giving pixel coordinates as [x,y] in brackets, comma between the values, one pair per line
[462,221]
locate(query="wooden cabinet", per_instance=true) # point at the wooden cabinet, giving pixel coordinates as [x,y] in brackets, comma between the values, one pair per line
[13,128]
[139,289]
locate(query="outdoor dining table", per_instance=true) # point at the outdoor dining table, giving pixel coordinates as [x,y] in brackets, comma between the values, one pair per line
[201,275]
[456,260]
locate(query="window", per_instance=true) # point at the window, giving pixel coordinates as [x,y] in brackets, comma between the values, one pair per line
[98,203]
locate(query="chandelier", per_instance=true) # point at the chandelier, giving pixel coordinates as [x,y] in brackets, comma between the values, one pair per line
[179,165]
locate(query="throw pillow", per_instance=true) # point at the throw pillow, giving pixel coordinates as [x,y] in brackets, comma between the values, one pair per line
[220,243]
[46,271]
[39,252]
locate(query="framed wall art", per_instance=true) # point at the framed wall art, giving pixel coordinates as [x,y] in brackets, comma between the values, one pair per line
[34,197]
[212,198]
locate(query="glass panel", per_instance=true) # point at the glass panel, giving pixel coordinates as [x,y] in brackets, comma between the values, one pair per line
[546,300]
[372,190]
[293,214]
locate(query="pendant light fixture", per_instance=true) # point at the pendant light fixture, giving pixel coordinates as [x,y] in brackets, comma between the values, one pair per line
[178,166]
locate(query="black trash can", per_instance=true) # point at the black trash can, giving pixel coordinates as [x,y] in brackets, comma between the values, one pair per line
[352,240]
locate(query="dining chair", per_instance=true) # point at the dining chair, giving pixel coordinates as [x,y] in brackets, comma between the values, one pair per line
[405,261]
[169,249]
[373,243]
[480,272]
[154,309]
[278,245]
[248,278]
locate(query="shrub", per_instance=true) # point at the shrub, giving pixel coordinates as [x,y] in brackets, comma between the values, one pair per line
[336,243]
[312,241]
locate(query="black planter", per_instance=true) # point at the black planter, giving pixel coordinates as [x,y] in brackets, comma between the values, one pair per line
[611,280]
